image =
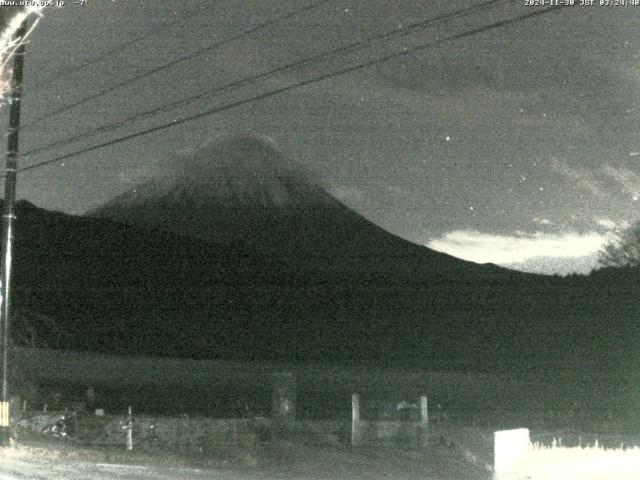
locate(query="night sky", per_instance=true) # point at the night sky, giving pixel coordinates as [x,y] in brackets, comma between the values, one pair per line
[517,145]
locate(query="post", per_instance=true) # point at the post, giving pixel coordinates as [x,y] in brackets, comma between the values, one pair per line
[283,405]
[424,419]
[355,420]
[8,217]
[91,398]
[129,429]
[424,411]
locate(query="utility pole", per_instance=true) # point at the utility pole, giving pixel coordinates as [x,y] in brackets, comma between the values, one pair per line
[8,217]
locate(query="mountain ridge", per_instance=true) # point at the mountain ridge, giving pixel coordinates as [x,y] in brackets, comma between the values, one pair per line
[116,288]
[304,217]
[306,281]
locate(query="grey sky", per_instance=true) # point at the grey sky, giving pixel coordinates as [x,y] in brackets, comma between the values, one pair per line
[528,131]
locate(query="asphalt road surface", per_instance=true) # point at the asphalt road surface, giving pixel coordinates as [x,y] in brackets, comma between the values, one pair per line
[54,469]
[306,463]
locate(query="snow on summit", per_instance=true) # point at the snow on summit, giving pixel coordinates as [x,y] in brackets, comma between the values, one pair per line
[245,168]
[230,188]
[237,169]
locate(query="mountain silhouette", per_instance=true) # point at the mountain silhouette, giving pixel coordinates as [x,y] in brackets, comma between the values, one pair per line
[238,189]
[113,287]
[241,189]
[295,275]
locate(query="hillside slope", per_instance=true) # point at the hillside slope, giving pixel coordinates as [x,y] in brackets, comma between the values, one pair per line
[294,275]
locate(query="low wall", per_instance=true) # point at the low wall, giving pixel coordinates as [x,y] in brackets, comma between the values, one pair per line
[193,433]
[187,432]
[391,432]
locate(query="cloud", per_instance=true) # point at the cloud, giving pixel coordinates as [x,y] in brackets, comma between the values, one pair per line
[583,177]
[607,223]
[543,221]
[626,178]
[513,250]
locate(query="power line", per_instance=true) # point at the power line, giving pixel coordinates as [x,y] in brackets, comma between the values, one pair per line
[294,86]
[300,63]
[116,49]
[173,63]
[304,83]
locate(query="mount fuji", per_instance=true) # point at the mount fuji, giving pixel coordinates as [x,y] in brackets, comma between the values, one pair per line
[242,190]
[234,251]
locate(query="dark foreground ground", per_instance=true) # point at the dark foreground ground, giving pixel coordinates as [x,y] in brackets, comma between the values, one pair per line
[460,448]
[452,453]
[277,461]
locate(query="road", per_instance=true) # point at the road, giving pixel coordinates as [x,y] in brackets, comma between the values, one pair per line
[305,463]
[56,469]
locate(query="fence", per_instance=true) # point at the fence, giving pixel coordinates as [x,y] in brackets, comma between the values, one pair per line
[408,425]
[408,429]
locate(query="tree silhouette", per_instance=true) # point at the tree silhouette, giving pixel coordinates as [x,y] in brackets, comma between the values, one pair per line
[623,249]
